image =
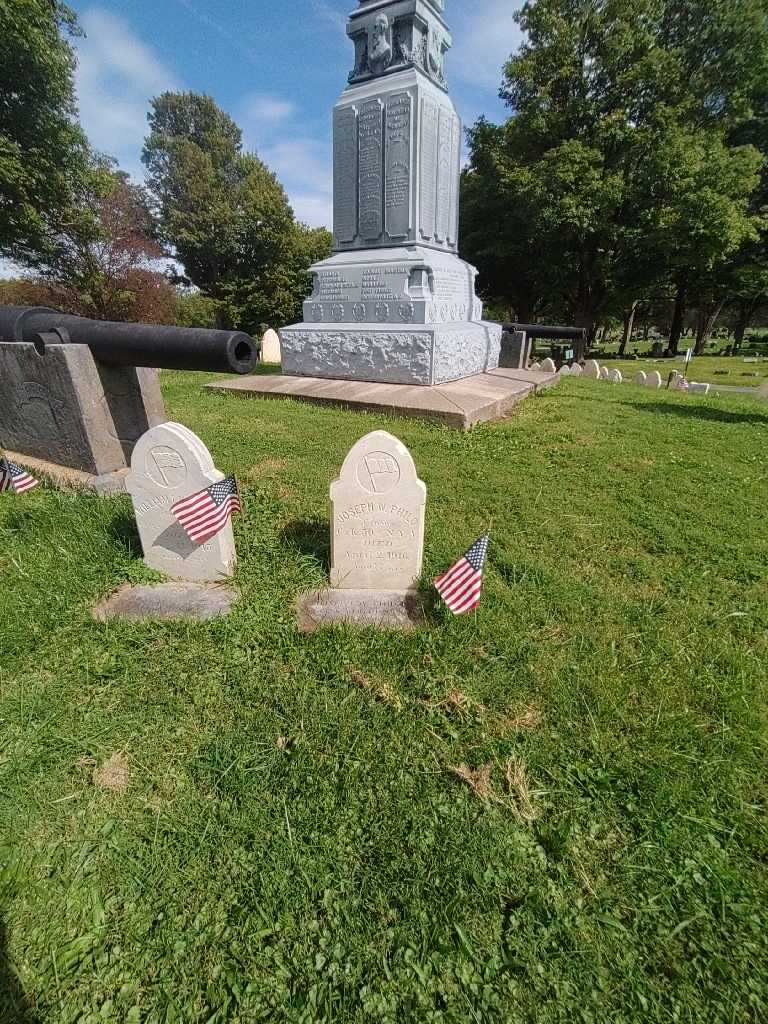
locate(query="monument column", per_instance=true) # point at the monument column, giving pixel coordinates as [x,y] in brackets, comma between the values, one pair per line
[395,303]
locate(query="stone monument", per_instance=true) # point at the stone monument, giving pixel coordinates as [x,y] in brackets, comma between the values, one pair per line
[394,303]
[170,463]
[377,539]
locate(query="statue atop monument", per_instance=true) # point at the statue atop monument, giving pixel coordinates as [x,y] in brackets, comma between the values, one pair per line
[395,303]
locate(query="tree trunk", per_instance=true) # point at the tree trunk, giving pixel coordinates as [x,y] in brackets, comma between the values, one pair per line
[629,323]
[707,320]
[676,330]
[740,328]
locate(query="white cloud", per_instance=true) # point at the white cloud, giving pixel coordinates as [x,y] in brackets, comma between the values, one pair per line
[263,109]
[117,75]
[485,34]
[304,167]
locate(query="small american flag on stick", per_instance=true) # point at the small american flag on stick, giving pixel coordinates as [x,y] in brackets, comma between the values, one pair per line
[14,478]
[206,513]
[462,585]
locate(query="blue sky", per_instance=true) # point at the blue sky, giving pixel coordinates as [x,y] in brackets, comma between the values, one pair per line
[276,67]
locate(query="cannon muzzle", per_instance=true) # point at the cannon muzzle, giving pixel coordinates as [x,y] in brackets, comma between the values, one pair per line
[118,344]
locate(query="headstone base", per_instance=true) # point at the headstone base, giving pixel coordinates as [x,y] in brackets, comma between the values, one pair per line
[167,601]
[383,609]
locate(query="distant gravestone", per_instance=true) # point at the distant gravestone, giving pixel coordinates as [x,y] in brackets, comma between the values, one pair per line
[535,367]
[699,389]
[565,370]
[605,373]
[592,369]
[616,376]
[763,392]
[654,380]
[170,463]
[548,366]
[641,378]
[577,370]
[377,515]
[270,347]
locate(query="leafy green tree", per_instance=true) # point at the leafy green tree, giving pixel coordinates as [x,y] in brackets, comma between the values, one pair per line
[43,152]
[223,214]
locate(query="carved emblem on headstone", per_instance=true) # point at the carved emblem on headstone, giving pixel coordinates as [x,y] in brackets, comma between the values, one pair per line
[382,312]
[165,467]
[359,312]
[337,312]
[317,312]
[406,311]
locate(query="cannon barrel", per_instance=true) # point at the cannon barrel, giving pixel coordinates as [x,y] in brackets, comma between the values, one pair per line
[118,344]
[543,331]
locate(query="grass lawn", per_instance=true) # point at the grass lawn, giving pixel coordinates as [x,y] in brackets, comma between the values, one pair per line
[703,368]
[552,811]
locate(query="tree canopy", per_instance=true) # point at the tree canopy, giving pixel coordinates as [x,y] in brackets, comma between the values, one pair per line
[43,151]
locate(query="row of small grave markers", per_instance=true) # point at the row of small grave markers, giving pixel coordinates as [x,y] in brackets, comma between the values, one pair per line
[677,382]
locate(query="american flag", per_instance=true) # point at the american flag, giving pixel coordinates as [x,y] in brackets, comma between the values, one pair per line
[682,384]
[462,585]
[14,478]
[206,513]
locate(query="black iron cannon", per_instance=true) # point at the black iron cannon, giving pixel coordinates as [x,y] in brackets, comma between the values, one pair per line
[119,344]
[517,339]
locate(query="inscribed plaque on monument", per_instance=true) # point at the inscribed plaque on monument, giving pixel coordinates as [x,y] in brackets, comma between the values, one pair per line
[345,174]
[428,167]
[397,200]
[444,175]
[377,517]
[453,221]
[371,135]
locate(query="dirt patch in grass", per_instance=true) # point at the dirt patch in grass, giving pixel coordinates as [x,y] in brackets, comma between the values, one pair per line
[478,780]
[113,775]
[521,718]
[380,689]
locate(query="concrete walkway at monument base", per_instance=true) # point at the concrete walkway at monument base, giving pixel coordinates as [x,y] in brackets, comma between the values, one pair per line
[460,404]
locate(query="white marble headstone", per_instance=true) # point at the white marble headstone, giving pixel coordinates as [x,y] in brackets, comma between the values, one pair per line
[605,373]
[170,463]
[270,347]
[616,376]
[548,366]
[565,370]
[535,367]
[654,380]
[641,378]
[592,369]
[377,516]
[577,370]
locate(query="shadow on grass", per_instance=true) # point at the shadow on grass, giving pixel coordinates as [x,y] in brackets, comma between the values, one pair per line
[14,1005]
[311,537]
[123,530]
[703,412]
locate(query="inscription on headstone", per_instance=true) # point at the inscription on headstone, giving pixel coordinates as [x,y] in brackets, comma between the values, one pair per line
[170,463]
[345,174]
[371,136]
[397,199]
[377,517]
[428,189]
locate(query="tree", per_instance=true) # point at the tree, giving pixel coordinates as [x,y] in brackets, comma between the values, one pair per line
[43,152]
[223,214]
[600,92]
[100,265]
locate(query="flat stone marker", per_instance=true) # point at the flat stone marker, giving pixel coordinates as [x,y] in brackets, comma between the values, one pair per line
[654,380]
[167,602]
[382,609]
[699,389]
[170,463]
[548,366]
[592,369]
[377,518]
[270,347]
[616,377]
[641,378]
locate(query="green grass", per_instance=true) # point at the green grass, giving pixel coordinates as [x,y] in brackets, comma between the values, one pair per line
[703,368]
[619,659]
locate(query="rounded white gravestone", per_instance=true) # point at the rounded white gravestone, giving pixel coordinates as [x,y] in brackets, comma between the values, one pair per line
[548,366]
[641,378]
[170,463]
[605,373]
[565,370]
[577,370]
[592,369]
[377,516]
[535,367]
[270,347]
[616,376]
[654,380]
